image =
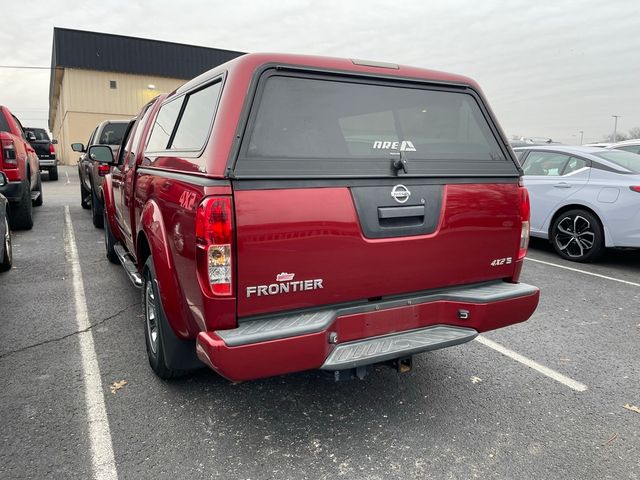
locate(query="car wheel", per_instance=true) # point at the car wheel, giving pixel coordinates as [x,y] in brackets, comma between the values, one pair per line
[155,325]
[96,210]
[7,259]
[109,239]
[38,201]
[53,174]
[21,217]
[577,235]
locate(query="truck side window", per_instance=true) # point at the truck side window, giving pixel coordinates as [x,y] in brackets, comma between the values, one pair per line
[125,145]
[195,122]
[163,126]
[4,125]
[135,144]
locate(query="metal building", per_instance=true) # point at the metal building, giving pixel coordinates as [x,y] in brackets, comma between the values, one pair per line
[98,76]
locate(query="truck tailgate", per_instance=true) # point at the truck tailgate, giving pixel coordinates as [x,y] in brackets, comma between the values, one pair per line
[307,247]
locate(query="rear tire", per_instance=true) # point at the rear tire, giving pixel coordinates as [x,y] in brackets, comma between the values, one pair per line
[109,239]
[97,210]
[38,201]
[7,259]
[155,325]
[578,236]
[21,217]
[53,174]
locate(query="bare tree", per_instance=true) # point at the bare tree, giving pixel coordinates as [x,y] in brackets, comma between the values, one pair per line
[634,133]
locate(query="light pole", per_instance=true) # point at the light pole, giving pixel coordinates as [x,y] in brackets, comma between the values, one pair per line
[615,126]
[581,136]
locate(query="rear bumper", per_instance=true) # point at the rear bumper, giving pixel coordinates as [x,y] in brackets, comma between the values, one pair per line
[362,334]
[13,191]
[47,163]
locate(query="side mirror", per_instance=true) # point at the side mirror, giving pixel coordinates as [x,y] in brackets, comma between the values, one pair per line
[3,179]
[76,147]
[31,136]
[101,154]
[54,141]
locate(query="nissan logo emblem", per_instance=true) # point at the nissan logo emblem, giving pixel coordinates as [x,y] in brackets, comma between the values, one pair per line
[400,193]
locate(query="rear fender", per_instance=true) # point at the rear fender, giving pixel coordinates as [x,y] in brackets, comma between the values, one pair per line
[153,227]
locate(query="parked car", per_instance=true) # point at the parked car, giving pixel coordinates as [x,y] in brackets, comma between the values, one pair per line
[284,213]
[632,146]
[19,162]
[91,173]
[6,251]
[597,144]
[583,199]
[43,145]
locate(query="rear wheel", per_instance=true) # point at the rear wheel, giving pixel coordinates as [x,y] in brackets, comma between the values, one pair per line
[21,212]
[96,210]
[155,326]
[577,235]
[53,174]
[109,239]
[7,259]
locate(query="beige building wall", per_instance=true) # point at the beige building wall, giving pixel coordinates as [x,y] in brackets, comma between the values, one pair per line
[86,99]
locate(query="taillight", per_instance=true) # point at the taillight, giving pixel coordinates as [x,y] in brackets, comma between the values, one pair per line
[52,150]
[9,153]
[635,188]
[525,212]
[214,235]
[103,170]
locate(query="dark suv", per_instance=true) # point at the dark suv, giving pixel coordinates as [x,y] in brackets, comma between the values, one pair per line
[43,145]
[109,132]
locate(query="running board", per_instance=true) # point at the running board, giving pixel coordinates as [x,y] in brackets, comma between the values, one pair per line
[389,347]
[129,266]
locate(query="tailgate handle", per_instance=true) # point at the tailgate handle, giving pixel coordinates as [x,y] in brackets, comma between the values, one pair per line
[401,212]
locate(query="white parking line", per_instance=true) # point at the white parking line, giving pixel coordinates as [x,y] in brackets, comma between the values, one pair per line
[68,181]
[102,459]
[558,377]
[584,271]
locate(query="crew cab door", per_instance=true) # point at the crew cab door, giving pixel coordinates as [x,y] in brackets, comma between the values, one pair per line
[551,178]
[350,190]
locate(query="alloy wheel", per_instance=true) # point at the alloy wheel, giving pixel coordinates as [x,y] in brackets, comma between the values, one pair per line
[575,236]
[8,251]
[151,317]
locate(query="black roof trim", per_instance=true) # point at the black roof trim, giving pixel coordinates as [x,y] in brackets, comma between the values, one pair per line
[141,56]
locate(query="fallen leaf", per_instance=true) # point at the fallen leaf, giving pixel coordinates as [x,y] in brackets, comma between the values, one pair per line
[633,408]
[476,379]
[115,386]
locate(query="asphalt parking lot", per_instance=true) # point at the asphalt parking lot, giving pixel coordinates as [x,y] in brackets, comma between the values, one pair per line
[543,399]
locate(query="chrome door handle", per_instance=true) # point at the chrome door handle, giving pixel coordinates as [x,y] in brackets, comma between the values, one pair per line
[562,185]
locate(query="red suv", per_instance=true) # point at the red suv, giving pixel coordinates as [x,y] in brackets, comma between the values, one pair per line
[19,162]
[284,213]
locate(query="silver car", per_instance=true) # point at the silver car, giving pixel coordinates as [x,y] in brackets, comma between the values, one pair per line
[583,199]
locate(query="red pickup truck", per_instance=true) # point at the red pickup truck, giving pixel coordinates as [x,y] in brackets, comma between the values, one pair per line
[19,162]
[284,213]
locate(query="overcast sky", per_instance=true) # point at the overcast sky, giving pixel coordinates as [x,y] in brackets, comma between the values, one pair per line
[548,68]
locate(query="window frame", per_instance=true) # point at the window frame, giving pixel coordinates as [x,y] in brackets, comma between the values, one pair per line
[183,97]
[255,94]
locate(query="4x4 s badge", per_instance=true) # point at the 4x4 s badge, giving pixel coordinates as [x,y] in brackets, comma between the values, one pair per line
[400,193]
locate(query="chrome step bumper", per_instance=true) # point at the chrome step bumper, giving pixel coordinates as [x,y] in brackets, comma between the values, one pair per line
[389,347]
